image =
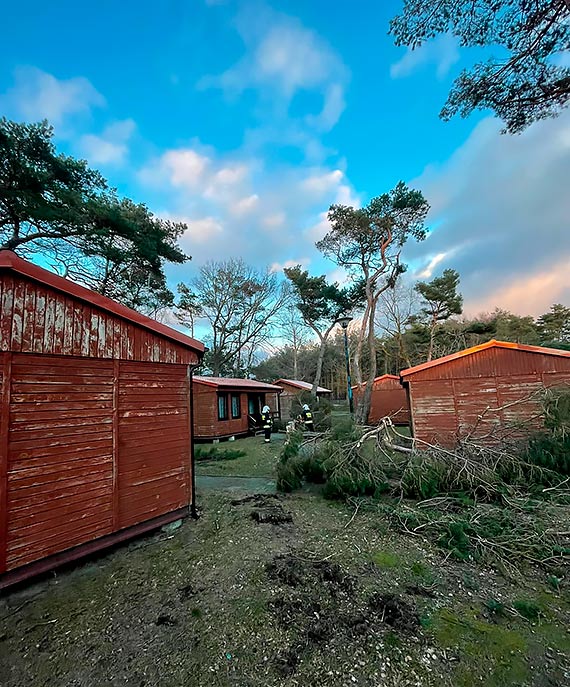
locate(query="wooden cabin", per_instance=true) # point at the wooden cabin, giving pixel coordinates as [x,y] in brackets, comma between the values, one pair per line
[489,392]
[226,407]
[95,440]
[292,390]
[389,398]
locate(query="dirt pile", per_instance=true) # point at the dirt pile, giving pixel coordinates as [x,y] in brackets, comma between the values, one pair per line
[320,603]
[267,509]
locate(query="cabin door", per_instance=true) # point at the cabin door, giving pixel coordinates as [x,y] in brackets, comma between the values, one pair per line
[254,402]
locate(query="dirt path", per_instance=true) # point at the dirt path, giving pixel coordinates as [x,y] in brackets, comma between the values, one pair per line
[250,485]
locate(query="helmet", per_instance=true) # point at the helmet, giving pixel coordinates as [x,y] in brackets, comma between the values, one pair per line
[266,409]
[306,407]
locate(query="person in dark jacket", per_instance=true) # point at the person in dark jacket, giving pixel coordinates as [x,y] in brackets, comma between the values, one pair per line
[307,417]
[266,423]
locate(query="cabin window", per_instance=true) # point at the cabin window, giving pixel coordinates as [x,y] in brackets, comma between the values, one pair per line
[236,406]
[222,406]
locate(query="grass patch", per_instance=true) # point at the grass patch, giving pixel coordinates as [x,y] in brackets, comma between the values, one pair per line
[500,650]
[385,559]
[257,459]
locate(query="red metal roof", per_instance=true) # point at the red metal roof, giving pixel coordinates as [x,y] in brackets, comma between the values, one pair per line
[482,347]
[377,379]
[307,386]
[236,382]
[9,261]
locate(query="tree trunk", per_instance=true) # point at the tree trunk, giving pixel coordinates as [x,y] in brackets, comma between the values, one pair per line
[320,359]
[295,364]
[431,340]
[366,398]
[357,371]
[323,337]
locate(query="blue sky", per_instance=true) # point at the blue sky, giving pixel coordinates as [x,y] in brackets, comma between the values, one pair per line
[247,119]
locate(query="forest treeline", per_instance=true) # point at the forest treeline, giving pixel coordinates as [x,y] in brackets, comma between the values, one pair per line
[398,348]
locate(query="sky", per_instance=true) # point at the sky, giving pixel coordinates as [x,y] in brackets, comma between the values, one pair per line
[246,120]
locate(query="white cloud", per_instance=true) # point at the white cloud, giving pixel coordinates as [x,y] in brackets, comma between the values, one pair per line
[201,230]
[111,147]
[38,95]
[283,58]
[442,52]
[185,167]
[320,183]
[427,272]
[317,231]
[339,275]
[500,206]
[280,266]
[274,221]
[245,205]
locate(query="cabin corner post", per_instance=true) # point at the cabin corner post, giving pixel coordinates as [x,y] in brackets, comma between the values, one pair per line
[6,366]
[193,509]
[116,457]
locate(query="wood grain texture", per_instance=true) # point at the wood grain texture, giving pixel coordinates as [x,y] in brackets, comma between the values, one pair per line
[458,398]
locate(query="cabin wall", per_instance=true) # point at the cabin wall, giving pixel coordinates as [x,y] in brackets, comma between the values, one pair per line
[90,447]
[38,319]
[206,422]
[488,396]
[388,398]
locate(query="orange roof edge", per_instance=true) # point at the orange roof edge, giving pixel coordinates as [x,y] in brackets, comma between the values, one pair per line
[376,379]
[493,343]
[10,261]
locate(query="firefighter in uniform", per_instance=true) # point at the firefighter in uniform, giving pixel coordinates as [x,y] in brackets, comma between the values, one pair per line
[266,423]
[307,417]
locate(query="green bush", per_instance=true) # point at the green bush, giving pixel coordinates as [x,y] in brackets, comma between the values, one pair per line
[204,453]
[455,537]
[290,466]
[550,448]
[528,609]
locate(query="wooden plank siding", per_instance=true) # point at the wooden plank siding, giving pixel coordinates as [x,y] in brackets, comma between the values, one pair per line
[490,395]
[57,454]
[95,436]
[154,441]
[208,425]
[206,422]
[37,319]
[389,398]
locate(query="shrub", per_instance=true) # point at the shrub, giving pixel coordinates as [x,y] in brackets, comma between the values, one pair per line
[550,448]
[290,466]
[207,453]
[528,609]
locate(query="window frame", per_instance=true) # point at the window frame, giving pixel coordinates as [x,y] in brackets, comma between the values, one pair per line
[222,396]
[238,397]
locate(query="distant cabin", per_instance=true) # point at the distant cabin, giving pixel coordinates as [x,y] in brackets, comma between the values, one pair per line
[292,390]
[95,433]
[488,392]
[389,398]
[227,406]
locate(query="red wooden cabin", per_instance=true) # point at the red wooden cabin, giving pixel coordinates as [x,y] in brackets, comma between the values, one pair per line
[488,392]
[388,398]
[293,389]
[225,406]
[95,430]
